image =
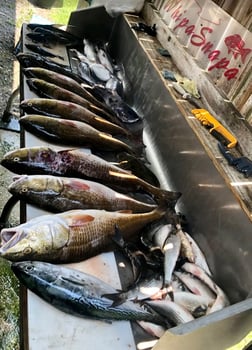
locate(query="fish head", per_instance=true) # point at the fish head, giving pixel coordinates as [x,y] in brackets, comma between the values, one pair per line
[28,160]
[161,235]
[27,186]
[35,83]
[29,59]
[31,273]
[27,105]
[39,239]
[32,122]
[37,105]
[30,72]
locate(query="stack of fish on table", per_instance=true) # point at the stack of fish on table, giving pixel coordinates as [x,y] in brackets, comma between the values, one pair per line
[107,199]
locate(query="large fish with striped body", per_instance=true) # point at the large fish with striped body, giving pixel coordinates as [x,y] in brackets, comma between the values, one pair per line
[78,293]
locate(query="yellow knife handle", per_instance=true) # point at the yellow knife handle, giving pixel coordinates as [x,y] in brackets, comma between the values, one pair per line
[207,119]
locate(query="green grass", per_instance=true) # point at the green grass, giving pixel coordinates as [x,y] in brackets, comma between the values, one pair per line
[9,308]
[60,15]
[25,16]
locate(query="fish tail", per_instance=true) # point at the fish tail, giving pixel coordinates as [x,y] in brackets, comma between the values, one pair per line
[117,298]
[169,198]
[156,317]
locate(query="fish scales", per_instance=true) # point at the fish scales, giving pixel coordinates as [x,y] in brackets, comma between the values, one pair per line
[60,80]
[64,131]
[65,82]
[69,110]
[71,236]
[49,90]
[74,163]
[59,194]
[78,293]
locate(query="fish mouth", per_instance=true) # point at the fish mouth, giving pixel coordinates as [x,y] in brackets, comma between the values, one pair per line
[9,238]
[17,177]
[16,180]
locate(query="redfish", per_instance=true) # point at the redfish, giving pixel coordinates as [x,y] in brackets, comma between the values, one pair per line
[71,236]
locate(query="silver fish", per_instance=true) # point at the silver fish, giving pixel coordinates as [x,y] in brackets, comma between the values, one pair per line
[199,257]
[100,72]
[89,50]
[192,302]
[195,285]
[171,253]
[221,299]
[170,246]
[104,60]
[171,311]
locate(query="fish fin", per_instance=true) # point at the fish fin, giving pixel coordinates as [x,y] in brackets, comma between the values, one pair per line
[169,198]
[73,280]
[168,290]
[78,185]
[80,220]
[117,298]
[66,150]
[118,238]
[122,175]
[125,211]
[68,122]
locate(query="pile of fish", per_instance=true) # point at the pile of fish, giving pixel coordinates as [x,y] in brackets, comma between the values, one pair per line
[101,199]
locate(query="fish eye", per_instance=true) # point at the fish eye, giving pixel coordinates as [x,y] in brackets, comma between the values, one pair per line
[24,189]
[16,159]
[27,250]
[29,268]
